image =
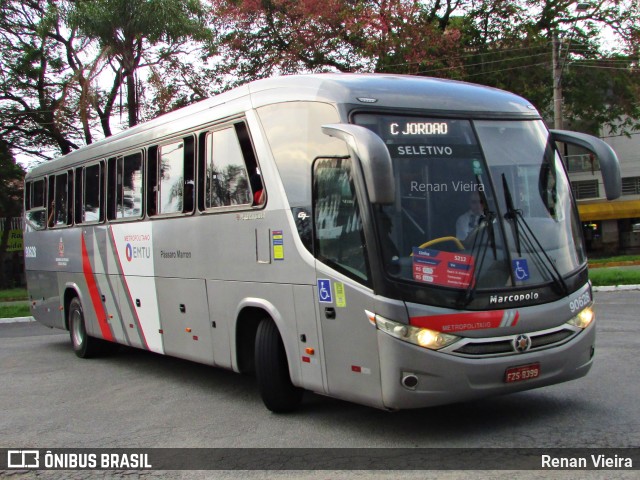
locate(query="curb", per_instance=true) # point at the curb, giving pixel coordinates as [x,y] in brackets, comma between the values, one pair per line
[616,288]
[17,320]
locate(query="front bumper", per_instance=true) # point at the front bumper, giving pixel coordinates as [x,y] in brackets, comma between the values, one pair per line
[443,378]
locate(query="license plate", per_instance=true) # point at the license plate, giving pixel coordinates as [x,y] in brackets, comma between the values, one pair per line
[523,372]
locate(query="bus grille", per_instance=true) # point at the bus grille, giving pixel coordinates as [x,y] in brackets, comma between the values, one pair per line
[486,348]
[476,347]
[550,338]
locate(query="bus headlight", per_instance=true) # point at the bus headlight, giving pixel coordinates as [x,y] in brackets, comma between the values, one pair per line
[422,337]
[583,319]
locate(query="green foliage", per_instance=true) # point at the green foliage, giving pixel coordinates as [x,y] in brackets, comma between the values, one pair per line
[67,63]
[509,45]
[127,29]
[614,276]
[11,175]
[13,294]
[117,22]
[14,311]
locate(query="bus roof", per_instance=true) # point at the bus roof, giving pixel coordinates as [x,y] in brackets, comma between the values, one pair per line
[396,91]
[373,90]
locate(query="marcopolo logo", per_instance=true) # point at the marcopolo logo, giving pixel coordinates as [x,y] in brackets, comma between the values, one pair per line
[137,252]
[518,297]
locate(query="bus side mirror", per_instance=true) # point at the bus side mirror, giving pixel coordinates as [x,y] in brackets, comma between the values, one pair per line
[373,156]
[609,165]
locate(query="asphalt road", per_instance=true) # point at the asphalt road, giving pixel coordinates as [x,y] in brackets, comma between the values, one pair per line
[50,398]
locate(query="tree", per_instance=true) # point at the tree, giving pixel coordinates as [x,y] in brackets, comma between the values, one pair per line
[11,176]
[37,110]
[257,39]
[127,31]
[510,47]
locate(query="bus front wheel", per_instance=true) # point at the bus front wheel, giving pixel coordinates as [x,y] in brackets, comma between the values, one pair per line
[84,346]
[272,370]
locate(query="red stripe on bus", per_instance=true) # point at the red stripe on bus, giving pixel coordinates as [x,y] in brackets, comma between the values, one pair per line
[457,322]
[94,293]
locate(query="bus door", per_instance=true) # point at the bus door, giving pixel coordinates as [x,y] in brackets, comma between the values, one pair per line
[342,292]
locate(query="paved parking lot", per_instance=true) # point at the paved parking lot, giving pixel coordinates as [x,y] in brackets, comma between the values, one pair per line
[50,398]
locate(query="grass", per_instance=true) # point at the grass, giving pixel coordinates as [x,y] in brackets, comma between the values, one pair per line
[13,294]
[614,276]
[12,311]
[619,258]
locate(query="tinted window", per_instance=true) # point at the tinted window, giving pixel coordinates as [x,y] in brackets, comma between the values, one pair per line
[92,186]
[175,171]
[227,178]
[59,212]
[125,186]
[36,212]
[296,139]
[37,194]
[338,226]
[171,177]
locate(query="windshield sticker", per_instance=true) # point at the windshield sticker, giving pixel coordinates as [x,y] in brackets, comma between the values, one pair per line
[520,269]
[442,268]
[341,298]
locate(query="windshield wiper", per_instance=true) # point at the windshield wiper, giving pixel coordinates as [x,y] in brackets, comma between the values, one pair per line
[489,216]
[517,220]
[512,213]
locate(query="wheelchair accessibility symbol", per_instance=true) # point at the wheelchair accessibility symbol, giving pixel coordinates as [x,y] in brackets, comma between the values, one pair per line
[324,291]
[520,269]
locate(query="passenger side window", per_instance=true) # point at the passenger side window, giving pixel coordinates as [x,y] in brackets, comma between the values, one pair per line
[171,177]
[338,228]
[92,188]
[173,181]
[227,177]
[59,209]
[125,187]
[35,204]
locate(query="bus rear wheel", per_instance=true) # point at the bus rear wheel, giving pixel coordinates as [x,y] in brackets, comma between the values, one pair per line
[272,370]
[84,345]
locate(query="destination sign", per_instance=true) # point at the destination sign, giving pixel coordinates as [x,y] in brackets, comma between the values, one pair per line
[420,149]
[418,128]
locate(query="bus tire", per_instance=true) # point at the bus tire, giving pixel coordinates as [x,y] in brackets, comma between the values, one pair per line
[84,346]
[272,370]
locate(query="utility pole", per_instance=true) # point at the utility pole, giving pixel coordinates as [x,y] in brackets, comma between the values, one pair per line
[557,83]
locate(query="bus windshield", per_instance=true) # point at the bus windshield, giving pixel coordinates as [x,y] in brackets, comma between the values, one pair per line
[480,204]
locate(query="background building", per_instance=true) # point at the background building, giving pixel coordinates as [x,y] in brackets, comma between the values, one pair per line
[609,226]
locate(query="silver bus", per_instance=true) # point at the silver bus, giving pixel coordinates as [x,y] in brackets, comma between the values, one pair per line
[394,241]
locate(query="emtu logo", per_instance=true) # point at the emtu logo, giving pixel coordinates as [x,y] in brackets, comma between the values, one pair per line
[141,253]
[23,459]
